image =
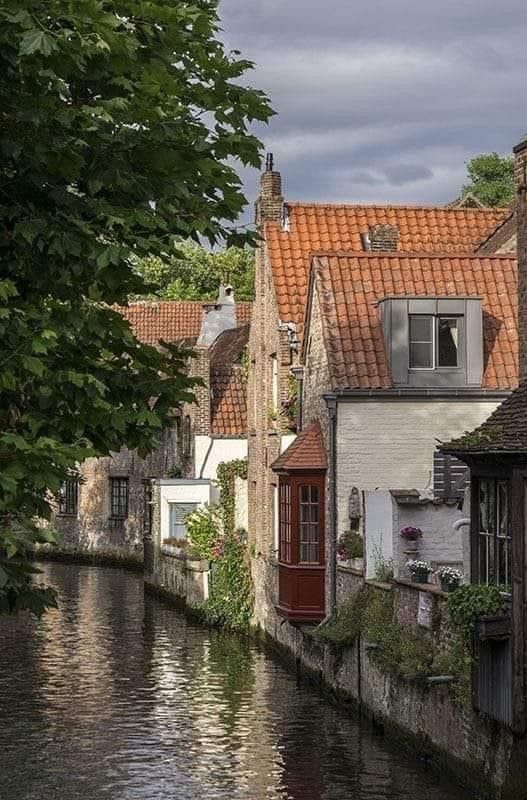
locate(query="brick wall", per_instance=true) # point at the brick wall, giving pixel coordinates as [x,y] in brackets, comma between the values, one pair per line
[520,174]
[390,443]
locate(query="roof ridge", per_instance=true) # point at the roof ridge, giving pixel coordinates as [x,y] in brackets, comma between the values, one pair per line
[413,206]
[410,254]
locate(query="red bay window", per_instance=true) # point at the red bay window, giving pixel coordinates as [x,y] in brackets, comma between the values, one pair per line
[301,516]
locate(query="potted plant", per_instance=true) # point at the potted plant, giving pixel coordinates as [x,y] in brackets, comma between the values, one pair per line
[450,578]
[419,571]
[350,550]
[411,537]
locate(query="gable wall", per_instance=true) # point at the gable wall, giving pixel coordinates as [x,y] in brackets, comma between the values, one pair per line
[389,444]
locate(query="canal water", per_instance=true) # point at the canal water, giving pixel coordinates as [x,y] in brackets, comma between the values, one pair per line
[117,696]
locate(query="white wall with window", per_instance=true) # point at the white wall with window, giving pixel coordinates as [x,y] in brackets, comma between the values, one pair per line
[177,499]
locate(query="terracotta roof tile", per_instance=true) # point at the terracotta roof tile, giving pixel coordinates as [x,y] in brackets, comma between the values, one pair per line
[338,227]
[172,320]
[365,364]
[307,451]
[227,384]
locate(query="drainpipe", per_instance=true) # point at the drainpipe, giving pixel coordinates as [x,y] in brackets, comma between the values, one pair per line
[331,404]
[207,454]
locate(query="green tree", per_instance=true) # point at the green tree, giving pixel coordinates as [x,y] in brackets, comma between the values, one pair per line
[491,179]
[119,125]
[195,273]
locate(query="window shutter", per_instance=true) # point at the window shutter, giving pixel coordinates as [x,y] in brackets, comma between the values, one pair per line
[451,476]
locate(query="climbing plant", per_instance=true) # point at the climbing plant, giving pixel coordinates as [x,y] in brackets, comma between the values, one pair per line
[230,600]
[226,473]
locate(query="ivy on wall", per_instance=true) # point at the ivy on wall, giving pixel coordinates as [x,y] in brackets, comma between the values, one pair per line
[227,472]
[230,600]
[412,652]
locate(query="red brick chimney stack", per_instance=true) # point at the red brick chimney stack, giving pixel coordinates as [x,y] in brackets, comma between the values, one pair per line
[270,203]
[520,175]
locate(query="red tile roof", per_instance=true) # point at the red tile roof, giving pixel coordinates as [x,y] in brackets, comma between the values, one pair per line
[172,320]
[349,285]
[228,385]
[315,227]
[307,451]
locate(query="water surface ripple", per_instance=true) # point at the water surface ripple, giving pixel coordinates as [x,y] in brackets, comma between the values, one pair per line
[118,696]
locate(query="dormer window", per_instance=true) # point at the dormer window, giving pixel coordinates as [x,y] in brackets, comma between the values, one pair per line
[434,342]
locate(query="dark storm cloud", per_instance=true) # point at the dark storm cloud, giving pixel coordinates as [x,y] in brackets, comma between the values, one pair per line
[383,101]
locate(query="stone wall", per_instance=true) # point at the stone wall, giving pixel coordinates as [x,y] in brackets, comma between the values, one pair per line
[520,174]
[182,579]
[93,528]
[481,753]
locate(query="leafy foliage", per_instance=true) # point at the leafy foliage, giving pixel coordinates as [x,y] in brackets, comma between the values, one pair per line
[471,601]
[118,130]
[194,273]
[491,179]
[230,601]
[203,529]
[226,473]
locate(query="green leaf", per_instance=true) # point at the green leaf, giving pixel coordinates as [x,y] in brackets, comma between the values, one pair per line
[37,41]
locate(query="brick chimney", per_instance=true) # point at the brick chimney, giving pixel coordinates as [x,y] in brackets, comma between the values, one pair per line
[270,203]
[520,176]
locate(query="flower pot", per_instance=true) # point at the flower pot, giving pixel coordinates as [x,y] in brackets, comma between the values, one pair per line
[447,586]
[411,545]
[419,577]
[357,564]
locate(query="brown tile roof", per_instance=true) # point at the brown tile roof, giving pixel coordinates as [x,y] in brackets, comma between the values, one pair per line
[307,451]
[227,384]
[502,238]
[349,285]
[505,431]
[315,227]
[172,320]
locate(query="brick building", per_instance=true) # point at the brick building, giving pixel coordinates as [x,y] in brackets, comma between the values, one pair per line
[290,234]
[107,505]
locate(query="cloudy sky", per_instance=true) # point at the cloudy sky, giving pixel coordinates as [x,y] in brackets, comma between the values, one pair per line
[383,100]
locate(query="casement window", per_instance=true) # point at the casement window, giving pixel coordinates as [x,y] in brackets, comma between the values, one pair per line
[285,521]
[69,498]
[178,513]
[434,342]
[301,520]
[119,497]
[493,532]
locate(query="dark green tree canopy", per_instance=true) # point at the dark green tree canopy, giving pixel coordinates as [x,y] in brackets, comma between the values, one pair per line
[195,273]
[491,179]
[119,125]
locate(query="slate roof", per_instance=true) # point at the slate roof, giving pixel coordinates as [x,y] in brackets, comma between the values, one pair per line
[307,451]
[505,431]
[228,385]
[314,227]
[502,238]
[172,320]
[349,285]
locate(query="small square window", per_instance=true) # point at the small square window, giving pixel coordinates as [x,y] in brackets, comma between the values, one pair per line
[434,342]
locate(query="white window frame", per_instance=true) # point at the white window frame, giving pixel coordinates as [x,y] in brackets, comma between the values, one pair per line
[435,339]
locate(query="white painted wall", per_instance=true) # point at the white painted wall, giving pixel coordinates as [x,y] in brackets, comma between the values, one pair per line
[183,491]
[379,523]
[389,444]
[241,503]
[222,450]
[285,440]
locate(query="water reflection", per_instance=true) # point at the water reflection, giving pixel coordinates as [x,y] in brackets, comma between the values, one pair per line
[114,696]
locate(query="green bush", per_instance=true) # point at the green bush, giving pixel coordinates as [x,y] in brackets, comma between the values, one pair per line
[230,600]
[471,601]
[203,530]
